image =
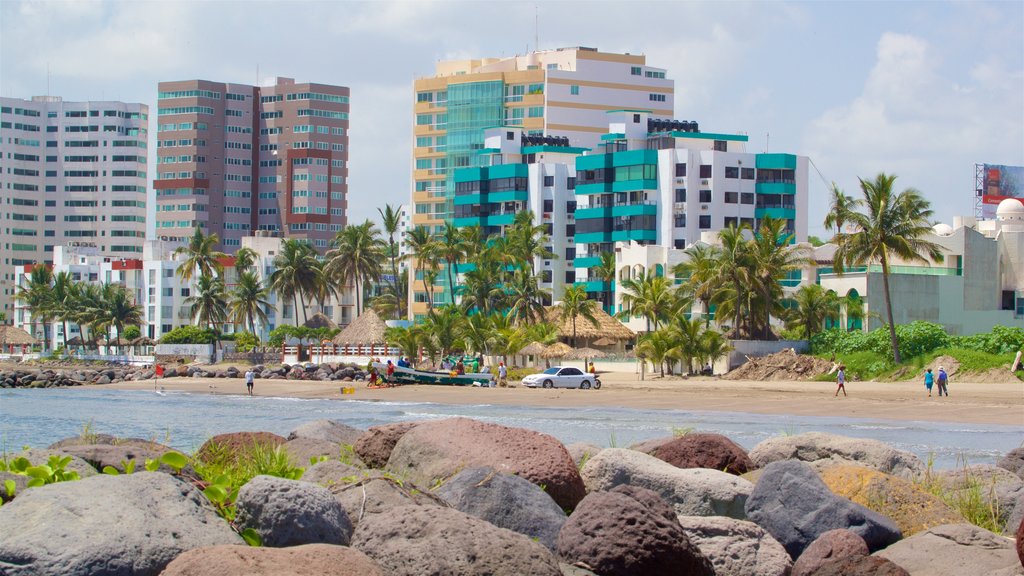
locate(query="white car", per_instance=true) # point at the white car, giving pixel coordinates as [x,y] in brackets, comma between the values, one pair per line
[561,377]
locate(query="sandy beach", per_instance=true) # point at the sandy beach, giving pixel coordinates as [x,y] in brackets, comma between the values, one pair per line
[982,403]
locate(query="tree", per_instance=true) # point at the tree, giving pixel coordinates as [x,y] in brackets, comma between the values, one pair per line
[655,346]
[814,305]
[296,273]
[575,304]
[732,275]
[773,257]
[482,289]
[356,257]
[208,302]
[840,206]
[249,301]
[451,246]
[408,340]
[891,225]
[527,241]
[391,219]
[36,296]
[118,309]
[605,272]
[685,335]
[199,256]
[245,258]
[444,326]
[86,307]
[61,300]
[525,297]
[423,251]
[700,271]
[477,331]
[650,296]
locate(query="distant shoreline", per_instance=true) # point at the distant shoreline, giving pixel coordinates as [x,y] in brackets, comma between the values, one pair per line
[980,403]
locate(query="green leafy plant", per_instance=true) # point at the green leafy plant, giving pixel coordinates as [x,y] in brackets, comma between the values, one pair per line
[55,470]
[190,335]
[246,342]
[974,498]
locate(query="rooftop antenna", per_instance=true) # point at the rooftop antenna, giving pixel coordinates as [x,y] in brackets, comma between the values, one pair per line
[536,27]
[47,80]
[767,137]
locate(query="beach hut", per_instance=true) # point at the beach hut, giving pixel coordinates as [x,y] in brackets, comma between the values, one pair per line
[363,333]
[556,350]
[13,338]
[608,329]
[530,351]
[319,320]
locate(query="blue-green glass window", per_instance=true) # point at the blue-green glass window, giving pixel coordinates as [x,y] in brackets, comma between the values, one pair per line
[423,141]
[424,96]
[422,185]
[574,89]
[424,119]
[424,163]
[536,112]
[536,89]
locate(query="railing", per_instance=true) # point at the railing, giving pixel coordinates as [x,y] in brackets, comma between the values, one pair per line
[316,351]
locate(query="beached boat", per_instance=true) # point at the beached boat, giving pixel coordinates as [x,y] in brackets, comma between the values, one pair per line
[404,375]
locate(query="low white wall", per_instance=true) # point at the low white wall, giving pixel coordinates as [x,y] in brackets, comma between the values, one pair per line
[200,352]
[743,348]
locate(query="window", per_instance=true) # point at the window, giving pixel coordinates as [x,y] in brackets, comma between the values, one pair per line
[656,97]
[636,118]
[635,71]
[747,198]
[679,244]
[574,90]
[680,170]
[705,222]
[549,205]
[570,230]
[705,196]
[705,170]
[730,222]
[732,172]
[681,194]
[570,207]
[535,112]
[549,181]
[570,253]
[747,174]
[424,119]
[721,146]
[731,197]
[680,221]
[570,276]
[424,96]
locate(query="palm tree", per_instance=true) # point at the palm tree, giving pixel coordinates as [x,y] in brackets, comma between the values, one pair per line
[699,271]
[686,337]
[650,296]
[208,301]
[245,258]
[527,241]
[478,333]
[444,325]
[249,301]
[814,305]
[358,251]
[408,339]
[657,347]
[575,304]
[482,289]
[86,307]
[892,225]
[733,274]
[524,297]
[61,300]
[840,206]
[199,256]
[119,309]
[451,246]
[773,257]
[423,250]
[36,295]
[391,218]
[296,273]
[605,272]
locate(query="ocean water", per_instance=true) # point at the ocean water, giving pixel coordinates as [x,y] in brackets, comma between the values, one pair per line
[38,418]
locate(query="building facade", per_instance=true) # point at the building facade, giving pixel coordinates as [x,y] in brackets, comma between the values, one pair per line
[70,172]
[233,159]
[562,93]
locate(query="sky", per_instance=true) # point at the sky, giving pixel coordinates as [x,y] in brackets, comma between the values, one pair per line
[923,90]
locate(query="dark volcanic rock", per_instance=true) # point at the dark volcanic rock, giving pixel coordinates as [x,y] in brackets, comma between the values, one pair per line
[1013,461]
[831,545]
[859,566]
[227,447]
[291,513]
[375,445]
[702,450]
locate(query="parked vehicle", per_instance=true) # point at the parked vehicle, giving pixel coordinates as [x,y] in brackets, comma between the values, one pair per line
[562,377]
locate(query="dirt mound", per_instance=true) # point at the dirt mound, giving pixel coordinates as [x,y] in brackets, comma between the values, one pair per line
[952,367]
[784,365]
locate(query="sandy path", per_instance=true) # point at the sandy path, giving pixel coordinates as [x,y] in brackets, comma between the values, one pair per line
[968,402]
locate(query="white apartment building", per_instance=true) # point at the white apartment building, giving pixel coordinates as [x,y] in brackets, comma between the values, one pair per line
[70,172]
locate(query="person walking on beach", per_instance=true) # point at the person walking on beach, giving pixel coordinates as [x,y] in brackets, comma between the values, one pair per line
[841,380]
[249,377]
[929,381]
[502,375]
[943,380]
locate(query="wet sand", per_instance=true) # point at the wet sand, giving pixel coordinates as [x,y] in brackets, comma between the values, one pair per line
[981,403]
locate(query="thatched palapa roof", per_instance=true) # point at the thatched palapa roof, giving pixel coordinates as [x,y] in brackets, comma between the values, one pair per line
[532,349]
[368,328]
[584,354]
[75,341]
[318,320]
[16,336]
[607,327]
[603,341]
[556,350]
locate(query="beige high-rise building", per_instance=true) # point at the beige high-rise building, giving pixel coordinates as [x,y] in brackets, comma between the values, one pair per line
[70,172]
[235,158]
[564,93]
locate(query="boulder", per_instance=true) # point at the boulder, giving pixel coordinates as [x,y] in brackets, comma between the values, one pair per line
[20,484]
[1015,517]
[817,446]
[795,506]
[629,531]
[994,482]
[85,438]
[117,455]
[376,492]
[580,452]
[107,525]
[859,566]
[506,501]
[321,559]
[331,472]
[375,445]
[702,450]
[434,451]
[302,450]
[39,456]
[910,507]
[649,446]
[291,513]
[831,545]
[736,547]
[227,447]
[691,491]
[416,540]
[1014,462]
[953,549]
[1020,542]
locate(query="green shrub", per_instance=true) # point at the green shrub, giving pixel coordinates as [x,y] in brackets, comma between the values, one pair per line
[190,335]
[865,365]
[1001,340]
[972,497]
[132,332]
[915,338]
[281,333]
[246,342]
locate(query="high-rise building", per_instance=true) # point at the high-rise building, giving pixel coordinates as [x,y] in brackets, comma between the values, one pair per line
[70,172]
[561,93]
[234,158]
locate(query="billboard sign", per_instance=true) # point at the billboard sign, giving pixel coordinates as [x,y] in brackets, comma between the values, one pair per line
[997,183]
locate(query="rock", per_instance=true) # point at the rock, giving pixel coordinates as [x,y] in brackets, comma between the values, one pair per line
[416,540]
[910,507]
[39,456]
[117,455]
[993,481]
[434,451]
[795,506]
[859,566]
[506,501]
[85,439]
[104,379]
[814,446]
[701,450]
[1015,517]
[291,513]
[375,445]
[736,547]
[831,545]
[331,472]
[629,531]
[649,446]
[301,450]
[375,492]
[691,492]
[107,525]
[329,430]
[580,452]
[1014,462]
[1020,542]
[227,447]
[952,549]
[320,559]
[20,484]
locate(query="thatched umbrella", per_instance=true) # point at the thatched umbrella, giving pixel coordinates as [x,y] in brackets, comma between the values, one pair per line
[584,354]
[556,350]
[142,341]
[76,341]
[319,320]
[532,349]
[11,336]
[365,330]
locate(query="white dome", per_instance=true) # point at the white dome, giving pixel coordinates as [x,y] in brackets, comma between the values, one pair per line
[942,229]
[1010,209]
